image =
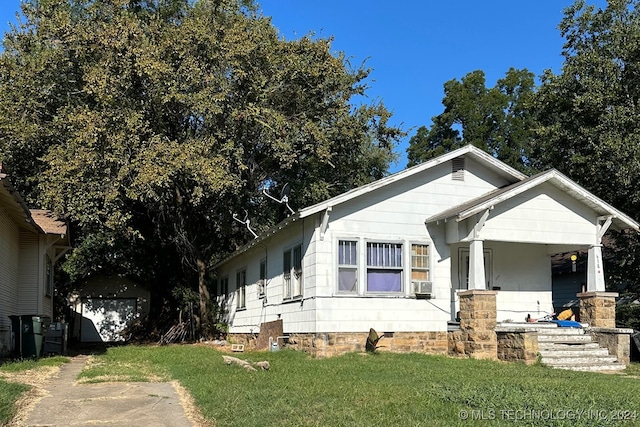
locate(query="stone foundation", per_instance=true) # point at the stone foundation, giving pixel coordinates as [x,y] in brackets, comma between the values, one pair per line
[598,309]
[336,343]
[517,344]
[617,340]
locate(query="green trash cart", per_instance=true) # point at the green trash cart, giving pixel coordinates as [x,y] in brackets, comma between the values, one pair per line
[29,331]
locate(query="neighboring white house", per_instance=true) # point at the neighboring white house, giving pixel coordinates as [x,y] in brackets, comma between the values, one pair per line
[31,241]
[393,255]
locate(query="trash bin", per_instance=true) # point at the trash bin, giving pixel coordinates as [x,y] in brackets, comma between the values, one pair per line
[55,341]
[29,331]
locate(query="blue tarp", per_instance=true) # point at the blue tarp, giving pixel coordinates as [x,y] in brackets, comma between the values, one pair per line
[567,323]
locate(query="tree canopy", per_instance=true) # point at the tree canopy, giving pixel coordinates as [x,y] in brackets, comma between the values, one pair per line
[149,123]
[496,119]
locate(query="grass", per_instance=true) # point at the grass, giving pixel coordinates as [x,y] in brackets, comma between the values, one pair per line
[381,389]
[10,391]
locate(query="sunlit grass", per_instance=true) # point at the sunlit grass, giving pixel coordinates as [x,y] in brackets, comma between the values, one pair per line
[380,389]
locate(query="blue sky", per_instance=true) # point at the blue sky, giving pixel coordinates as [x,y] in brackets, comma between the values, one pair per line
[415,46]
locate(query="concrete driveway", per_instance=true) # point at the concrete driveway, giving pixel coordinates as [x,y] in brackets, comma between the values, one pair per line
[68,403]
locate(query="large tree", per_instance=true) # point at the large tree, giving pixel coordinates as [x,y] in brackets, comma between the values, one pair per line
[496,119]
[589,115]
[149,123]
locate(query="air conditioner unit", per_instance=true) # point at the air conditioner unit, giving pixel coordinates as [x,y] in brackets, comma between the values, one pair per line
[422,289]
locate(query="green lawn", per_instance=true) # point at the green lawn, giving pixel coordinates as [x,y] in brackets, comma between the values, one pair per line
[381,389]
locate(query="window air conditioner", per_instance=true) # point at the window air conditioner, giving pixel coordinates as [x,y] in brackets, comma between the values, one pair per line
[422,289]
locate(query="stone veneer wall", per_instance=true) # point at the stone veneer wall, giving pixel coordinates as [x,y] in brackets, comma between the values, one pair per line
[478,323]
[617,340]
[598,309]
[336,343]
[517,344]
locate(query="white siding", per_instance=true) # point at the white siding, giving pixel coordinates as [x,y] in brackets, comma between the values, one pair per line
[542,215]
[29,275]
[9,238]
[298,314]
[394,213]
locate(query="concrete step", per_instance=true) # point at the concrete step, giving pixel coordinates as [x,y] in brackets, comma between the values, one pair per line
[553,346]
[578,360]
[564,339]
[561,331]
[592,367]
[576,352]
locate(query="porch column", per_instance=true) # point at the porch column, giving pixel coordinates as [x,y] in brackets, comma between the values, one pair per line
[595,272]
[478,323]
[477,278]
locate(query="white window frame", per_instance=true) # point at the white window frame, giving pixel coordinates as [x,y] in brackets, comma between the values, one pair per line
[463,268]
[262,281]
[413,267]
[241,288]
[354,260]
[292,279]
[395,267]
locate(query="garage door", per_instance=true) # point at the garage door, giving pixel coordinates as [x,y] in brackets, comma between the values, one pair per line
[103,319]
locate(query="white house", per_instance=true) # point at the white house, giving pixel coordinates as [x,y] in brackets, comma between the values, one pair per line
[31,241]
[393,255]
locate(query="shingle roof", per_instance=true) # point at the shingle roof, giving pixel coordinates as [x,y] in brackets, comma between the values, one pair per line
[48,222]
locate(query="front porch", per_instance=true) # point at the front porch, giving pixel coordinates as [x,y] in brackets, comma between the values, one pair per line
[595,346]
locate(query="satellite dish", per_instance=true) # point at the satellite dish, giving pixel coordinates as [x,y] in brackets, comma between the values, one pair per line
[246,221]
[284,196]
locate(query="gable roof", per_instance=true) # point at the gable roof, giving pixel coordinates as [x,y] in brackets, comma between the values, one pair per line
[16,208]
[480,204]
[475,153]
[48,222]
[36,220]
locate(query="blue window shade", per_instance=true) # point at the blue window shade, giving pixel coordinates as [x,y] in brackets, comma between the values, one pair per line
[384,267]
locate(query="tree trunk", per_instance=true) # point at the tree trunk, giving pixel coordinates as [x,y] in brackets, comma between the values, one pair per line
[205,317]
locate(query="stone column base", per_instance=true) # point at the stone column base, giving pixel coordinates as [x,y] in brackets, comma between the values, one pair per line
[478,323]
[598,309]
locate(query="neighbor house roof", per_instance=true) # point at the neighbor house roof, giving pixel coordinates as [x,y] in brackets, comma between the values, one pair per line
[38,220]
[14,205]
[487,201]
[49,222]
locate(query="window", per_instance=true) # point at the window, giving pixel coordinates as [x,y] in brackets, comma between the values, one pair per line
[262,282]
[48,290]
[457,169]
[241,285]
[347,266]
[420,283]
[292,272]
[384,267]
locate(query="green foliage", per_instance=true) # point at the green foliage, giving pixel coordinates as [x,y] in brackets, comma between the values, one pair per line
[628,316]
[391,389]
[497,119]
[149,123]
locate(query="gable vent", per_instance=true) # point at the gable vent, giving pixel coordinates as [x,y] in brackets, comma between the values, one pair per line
[457,169]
